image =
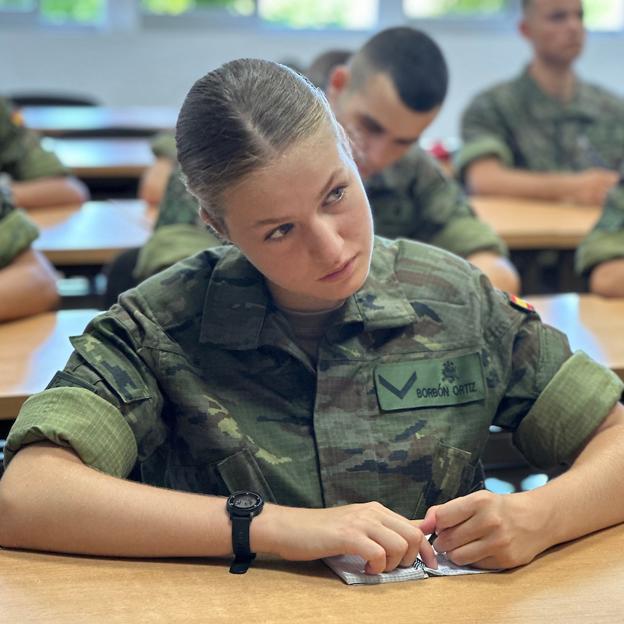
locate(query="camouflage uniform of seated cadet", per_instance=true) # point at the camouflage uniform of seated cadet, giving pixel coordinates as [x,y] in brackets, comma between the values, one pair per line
[606,240]
[21,154]
[17,232]
[196,381]
[527,129]
[411,199]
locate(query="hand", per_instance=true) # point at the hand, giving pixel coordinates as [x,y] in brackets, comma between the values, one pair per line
[381,537]
[591,186]
[488,530]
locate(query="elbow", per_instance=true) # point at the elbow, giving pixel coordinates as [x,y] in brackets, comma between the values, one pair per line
[10,521]
[607,279]
[78,191]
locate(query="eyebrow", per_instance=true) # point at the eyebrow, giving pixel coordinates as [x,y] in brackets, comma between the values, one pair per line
[286,218]
[371,121]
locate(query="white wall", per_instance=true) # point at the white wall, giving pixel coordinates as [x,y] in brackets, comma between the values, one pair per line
[158,67]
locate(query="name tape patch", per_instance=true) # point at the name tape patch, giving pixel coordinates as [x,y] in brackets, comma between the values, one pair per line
[430,382]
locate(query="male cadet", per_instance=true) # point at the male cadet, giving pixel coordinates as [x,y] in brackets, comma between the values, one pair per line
[546,134]
[601,254]
[390,91]
[27,281]
[35,177]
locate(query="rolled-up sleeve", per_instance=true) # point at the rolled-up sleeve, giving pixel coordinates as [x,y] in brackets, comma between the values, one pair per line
[76,418]
[106,404]
[482,135]
[17,232]
[551,399]
[570,408]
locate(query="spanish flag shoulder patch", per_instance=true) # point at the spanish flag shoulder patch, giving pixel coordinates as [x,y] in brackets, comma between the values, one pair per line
[520,304]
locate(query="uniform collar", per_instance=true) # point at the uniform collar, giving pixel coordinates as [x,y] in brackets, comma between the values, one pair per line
[238,313]
[583,104]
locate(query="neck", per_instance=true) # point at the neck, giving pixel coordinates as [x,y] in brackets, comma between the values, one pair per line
[558,81]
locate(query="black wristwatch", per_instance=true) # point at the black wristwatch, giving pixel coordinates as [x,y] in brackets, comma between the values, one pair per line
[242,507]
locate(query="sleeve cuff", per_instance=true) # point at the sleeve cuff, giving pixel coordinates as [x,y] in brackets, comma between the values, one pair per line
[76,418]
[467,235]
[598,247]
[17,232]
[480,148]
[573,404]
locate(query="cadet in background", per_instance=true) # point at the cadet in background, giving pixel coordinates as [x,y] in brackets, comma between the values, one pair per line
[27,281]
[546,134]
[385,97]
[34,176]
[601,254]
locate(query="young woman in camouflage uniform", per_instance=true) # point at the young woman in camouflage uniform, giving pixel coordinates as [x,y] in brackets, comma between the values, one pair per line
[349,380]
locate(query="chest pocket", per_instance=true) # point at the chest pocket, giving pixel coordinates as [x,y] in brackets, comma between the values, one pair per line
[432,409]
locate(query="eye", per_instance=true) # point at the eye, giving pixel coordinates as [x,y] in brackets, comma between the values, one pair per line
[279,232]
[335,195]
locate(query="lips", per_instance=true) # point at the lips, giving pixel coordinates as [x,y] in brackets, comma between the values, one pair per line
[338,272]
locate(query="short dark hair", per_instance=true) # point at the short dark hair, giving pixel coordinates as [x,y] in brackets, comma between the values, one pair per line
[412,60]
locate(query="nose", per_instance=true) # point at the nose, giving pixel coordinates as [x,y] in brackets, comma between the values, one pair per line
[376,150]
[325,243]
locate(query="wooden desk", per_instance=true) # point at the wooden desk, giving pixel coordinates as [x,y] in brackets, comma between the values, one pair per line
[92,234]
[591,323]
[31,351]
[531,224]
[579,582]
[103,158]
[62,120]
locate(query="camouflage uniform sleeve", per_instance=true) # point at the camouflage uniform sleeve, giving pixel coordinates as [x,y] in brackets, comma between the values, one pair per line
[164,146]
[106,404]
[552,400]
[17,232]
[482,134]
[178,233]
[443,203]
[21,153]
[606,240]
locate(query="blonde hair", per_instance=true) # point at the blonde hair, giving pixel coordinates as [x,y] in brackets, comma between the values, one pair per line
[238,119]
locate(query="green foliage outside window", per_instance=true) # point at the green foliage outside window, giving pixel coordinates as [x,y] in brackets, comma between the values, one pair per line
[76,12]
[438,8]
[176,7]
[17,5]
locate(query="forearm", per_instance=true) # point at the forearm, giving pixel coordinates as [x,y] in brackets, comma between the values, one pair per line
[51,501]
[590,495]
[27,287]
[49,192]
[499,270]
[493,178]
[607,279]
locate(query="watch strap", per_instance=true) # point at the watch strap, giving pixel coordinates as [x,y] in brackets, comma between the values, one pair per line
[240,565]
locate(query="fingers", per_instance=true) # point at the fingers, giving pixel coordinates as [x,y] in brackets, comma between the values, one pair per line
[390,540]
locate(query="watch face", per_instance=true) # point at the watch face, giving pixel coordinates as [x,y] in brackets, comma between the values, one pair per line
[245,501]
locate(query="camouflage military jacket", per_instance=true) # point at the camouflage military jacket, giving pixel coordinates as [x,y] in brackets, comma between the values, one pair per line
[194,382]
[17,232]
[606,240]
[21,154]
[526,128]
[412,199]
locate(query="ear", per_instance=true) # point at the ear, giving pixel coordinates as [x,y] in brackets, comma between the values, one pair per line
[524,29]
[215,225]
[338,81]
